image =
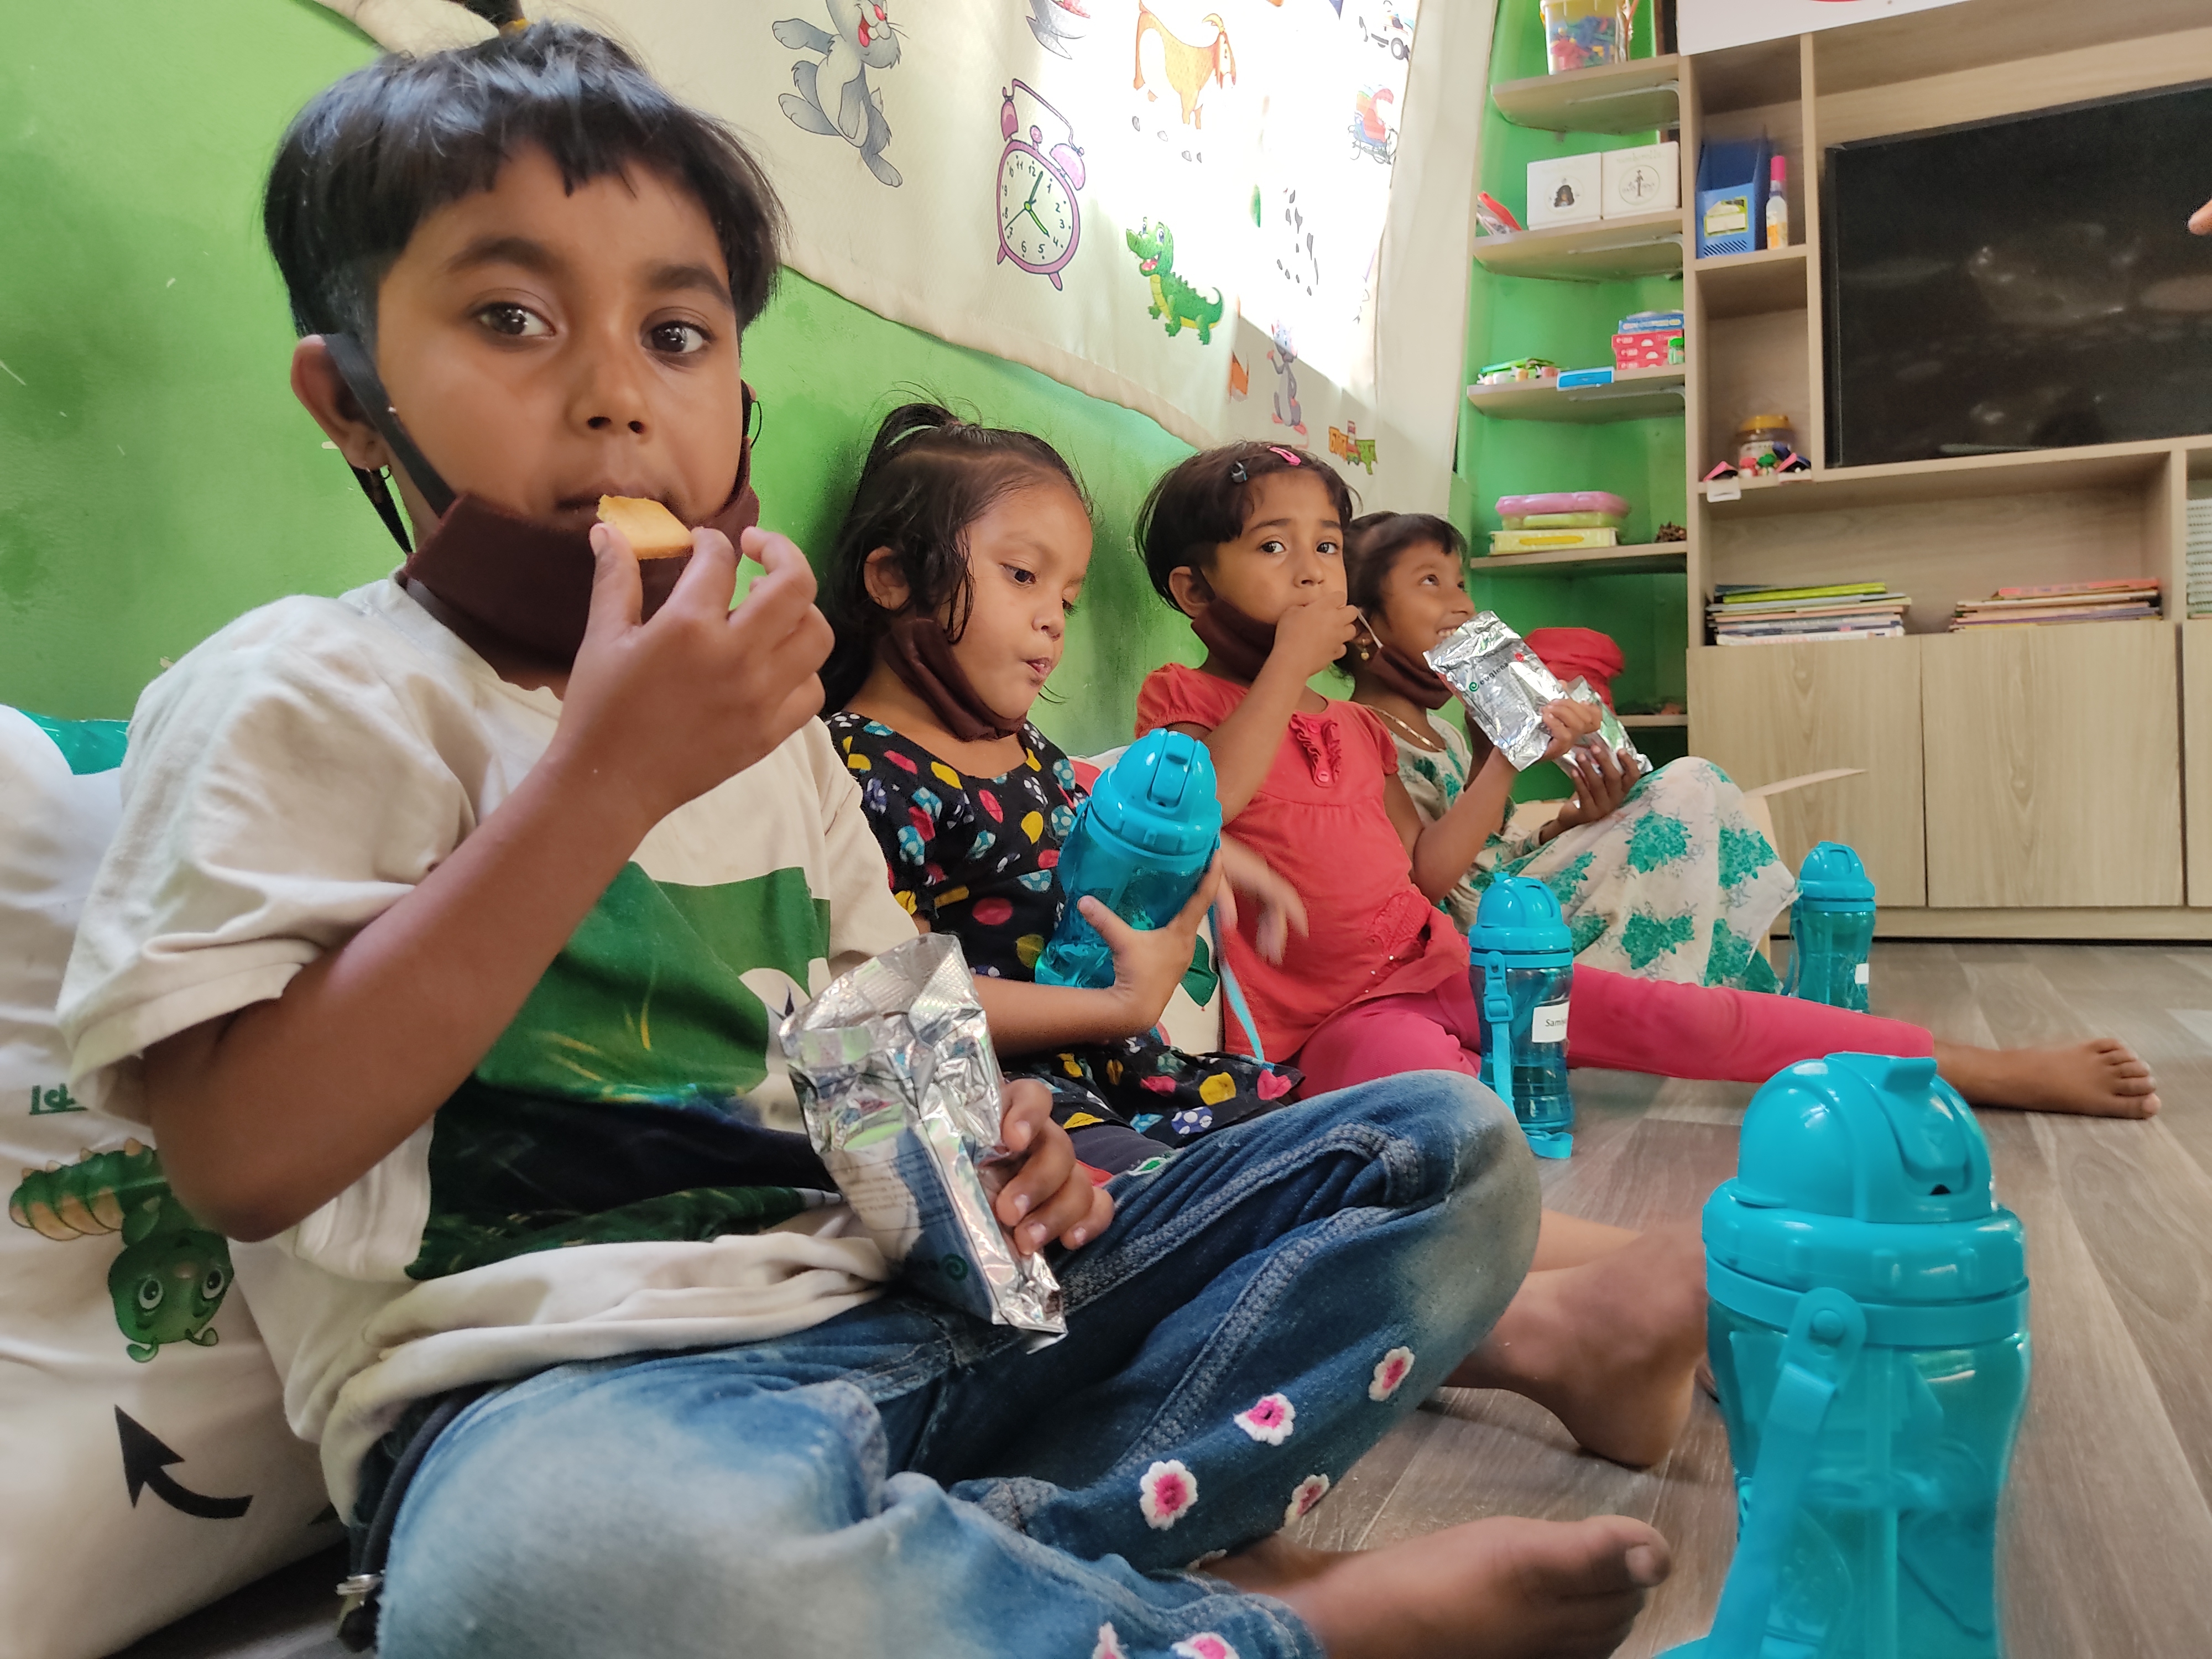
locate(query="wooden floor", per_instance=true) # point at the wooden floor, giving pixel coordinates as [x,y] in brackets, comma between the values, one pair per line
[2108,1534]
[2108,1530]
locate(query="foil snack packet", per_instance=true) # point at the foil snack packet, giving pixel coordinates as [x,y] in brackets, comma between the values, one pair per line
[1505,685]
[895,1073]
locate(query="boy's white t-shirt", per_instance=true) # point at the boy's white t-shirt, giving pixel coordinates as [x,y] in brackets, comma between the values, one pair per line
[592,1189]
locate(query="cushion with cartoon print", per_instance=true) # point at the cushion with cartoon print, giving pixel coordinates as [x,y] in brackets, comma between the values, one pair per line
[145,1466]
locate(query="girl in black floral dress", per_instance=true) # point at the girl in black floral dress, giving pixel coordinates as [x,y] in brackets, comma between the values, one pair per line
[949,589]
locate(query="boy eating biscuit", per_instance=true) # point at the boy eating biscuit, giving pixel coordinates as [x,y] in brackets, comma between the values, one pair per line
[441,944]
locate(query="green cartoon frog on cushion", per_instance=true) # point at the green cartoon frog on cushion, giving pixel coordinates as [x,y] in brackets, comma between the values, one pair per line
[169,1278]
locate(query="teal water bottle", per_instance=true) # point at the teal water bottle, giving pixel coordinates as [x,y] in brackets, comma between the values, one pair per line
[1139,845]
[1868,1334]
[1521,961]
[1831,929]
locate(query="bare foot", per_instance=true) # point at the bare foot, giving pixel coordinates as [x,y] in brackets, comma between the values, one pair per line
[1609,1348]
[2100,1078]
[1568,1241]
[1500,1589]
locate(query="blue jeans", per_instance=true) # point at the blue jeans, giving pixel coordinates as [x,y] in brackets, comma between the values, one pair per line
[906,1480]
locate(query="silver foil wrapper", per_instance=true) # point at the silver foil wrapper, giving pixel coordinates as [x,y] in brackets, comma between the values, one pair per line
[895,1073]
[1505,685]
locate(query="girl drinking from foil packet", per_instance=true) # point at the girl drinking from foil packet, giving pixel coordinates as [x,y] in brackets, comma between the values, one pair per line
[1662,877]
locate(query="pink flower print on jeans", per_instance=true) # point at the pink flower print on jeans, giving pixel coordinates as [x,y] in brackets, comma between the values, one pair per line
[1205,1645]
[1307,1493]
[1109,1644]
[1269,1420]
[1167,1492]
[1389,1371]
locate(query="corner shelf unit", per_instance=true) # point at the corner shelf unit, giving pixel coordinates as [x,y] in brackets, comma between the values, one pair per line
[1560,293]
[1642,245]
[1638,96]
[1632,394]
[1647,559]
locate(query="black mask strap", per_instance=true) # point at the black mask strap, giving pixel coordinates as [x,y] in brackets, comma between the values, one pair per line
[360,375]
[362,379]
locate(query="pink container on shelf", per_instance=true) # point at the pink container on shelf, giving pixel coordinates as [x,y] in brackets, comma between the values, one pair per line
[1590,506]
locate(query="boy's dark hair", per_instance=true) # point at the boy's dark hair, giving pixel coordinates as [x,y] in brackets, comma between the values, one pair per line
[1374,543]
[375,154]
[929,475]
[1205,502]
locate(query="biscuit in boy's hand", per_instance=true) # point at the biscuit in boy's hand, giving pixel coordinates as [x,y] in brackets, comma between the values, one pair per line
[654,532]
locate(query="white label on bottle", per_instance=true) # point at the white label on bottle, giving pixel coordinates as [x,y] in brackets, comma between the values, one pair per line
[1550,1024]
[1864,972]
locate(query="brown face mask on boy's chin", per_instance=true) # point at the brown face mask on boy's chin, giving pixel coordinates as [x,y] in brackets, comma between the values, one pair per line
[526,581]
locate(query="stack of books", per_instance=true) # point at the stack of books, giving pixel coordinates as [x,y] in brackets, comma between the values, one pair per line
[2123,598]
[2199,549]
[1743,614]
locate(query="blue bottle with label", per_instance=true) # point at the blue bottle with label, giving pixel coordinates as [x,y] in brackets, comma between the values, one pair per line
[1139,845]
[1831,929]
[1869,1334]
[1521,964]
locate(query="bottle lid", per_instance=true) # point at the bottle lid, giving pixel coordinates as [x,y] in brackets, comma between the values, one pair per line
[1832,877]
[1762,422]
[1520,917]
[1160,796]
[1867,1174]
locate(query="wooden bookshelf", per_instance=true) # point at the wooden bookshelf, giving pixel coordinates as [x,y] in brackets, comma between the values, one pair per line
[2015,778]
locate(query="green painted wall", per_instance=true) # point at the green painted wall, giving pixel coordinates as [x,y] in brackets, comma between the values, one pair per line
[1572,324]
[156,479]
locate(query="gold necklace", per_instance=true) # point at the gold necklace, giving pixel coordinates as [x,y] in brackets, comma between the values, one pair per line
[1423,740]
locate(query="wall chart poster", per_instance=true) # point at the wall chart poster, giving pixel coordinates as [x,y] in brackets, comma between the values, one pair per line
[1176,204]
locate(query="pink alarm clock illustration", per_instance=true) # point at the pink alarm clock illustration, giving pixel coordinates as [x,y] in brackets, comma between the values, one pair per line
[1040,170]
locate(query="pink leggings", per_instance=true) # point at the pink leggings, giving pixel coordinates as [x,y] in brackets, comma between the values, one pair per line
[1621,1023]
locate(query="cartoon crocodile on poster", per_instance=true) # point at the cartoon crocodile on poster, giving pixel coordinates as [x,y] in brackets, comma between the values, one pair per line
[169,1278]
[1173,297]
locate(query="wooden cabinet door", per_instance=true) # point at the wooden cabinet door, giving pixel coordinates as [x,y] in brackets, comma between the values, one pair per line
[2196,755]
[2054,765]
[1764,712]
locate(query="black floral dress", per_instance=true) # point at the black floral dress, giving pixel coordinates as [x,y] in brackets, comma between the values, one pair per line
[978,858]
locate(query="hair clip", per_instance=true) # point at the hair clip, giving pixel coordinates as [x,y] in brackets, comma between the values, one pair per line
[1237,474]
[1290,455]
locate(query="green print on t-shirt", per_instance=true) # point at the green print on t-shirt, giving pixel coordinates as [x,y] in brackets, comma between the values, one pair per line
[644,1002]
[604,1114]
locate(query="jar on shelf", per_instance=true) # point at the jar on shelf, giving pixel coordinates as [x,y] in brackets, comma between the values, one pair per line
[1581,35]
[1763,442]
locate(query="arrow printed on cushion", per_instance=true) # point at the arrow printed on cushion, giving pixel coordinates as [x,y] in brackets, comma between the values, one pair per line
[145,1465]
